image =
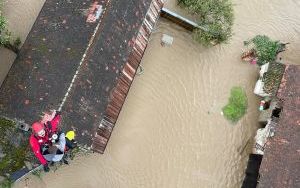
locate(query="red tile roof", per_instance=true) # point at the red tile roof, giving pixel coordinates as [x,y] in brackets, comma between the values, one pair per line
[124,81]
[280,167]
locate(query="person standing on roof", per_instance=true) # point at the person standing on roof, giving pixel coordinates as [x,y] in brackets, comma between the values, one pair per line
[47,142]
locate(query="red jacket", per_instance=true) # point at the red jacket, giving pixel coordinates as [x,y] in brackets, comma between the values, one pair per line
[37,142]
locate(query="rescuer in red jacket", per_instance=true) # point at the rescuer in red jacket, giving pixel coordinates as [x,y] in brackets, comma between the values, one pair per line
[47,142]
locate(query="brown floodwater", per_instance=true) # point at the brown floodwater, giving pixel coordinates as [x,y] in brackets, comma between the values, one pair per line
[170,132]
[21,15]
[6,59]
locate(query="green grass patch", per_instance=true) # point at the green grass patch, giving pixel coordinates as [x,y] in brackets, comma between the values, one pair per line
[13,147]
[237,104]
[7,183]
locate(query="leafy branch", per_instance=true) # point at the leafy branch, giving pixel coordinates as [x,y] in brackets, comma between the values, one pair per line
[266,50]
[215,19]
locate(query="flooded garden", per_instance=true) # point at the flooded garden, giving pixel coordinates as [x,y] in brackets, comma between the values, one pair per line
[171,131]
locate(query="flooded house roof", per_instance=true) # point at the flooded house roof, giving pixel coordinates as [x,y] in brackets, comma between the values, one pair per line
[281,162]
[80,57]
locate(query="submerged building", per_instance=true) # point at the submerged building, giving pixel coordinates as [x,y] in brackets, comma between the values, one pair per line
[80,58]
[280,166]
[275,161]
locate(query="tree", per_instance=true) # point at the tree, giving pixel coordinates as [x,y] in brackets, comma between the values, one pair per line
[215,18]
[266,50]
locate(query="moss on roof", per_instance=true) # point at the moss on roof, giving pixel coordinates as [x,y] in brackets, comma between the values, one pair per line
[13,147]
[272,77]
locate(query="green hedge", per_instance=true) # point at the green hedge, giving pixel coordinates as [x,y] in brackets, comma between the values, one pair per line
[237,104]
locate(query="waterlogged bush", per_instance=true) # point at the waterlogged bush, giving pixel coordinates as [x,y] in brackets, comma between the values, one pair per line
[3,31]
[2,23]
[215,19]
[237,104]
[7,183]
[6,39]
[266,49]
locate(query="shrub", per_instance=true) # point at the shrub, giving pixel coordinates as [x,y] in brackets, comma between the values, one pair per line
[3,31]
[17,42]
[237,104]
[7,183]
[215,19]
[266,50]
[2,23]
[6,39]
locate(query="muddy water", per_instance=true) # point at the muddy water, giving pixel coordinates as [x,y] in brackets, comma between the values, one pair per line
[21,15]
[6,59]
[170,132]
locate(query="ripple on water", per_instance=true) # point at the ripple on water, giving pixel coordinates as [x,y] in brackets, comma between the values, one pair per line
[170,132]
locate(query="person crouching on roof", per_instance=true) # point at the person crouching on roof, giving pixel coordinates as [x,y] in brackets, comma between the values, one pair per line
[47,142]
